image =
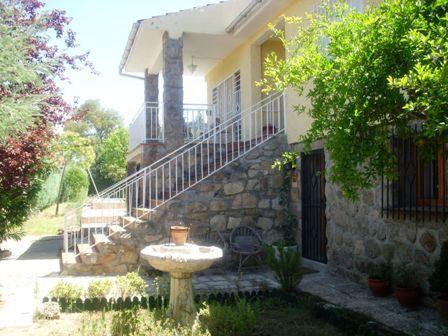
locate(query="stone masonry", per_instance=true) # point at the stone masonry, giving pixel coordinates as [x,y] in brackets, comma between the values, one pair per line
[358,235]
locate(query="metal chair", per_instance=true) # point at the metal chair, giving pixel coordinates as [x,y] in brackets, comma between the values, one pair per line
[246,243]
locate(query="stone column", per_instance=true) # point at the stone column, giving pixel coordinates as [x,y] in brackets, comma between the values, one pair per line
[173,94]
[181,307]
[151,100]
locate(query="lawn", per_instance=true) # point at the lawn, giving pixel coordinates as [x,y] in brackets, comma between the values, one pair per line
[45,222]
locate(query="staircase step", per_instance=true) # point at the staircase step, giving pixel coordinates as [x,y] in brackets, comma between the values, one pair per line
[100,238]
[116,229]
[87,254]
[131,222]
[90,215]
[103,243]
[108,203]
[141,213]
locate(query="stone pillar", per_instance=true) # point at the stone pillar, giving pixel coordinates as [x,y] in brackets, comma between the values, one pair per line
[151,100]
[181,307]
[173,94]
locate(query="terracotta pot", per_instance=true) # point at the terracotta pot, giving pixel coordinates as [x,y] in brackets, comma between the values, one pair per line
[379,288]
[408,297]
[442,307]
[179,234]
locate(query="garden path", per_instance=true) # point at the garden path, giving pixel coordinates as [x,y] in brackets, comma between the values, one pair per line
[339,291]
[32,258]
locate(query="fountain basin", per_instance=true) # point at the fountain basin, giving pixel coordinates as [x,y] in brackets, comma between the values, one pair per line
[188,258]
[181,261]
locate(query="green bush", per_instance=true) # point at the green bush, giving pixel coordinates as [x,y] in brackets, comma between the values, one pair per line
[285,262]
[405,276]
[125,322]
[131,284]
[64,290]
[229,320]
[48,193]
[380,271]
[76,184]
[99,288]
[439,279]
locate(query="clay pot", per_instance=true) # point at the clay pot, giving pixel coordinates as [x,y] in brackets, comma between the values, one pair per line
[442,307]
[179,234]
[408,297]
[379,288]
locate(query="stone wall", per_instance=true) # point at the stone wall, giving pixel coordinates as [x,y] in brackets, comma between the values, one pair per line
[244,192]
[358,235]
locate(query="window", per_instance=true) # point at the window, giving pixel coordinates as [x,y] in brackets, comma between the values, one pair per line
[421,188]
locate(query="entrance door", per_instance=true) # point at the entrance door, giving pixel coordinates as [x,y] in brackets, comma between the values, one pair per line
[314,240]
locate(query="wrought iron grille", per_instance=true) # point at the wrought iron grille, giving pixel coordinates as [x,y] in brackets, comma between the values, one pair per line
[420,191]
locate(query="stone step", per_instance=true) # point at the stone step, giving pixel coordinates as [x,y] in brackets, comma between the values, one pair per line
[130,222]
[108,203]
[141,213]
[90,215]
[87,254]
[103,244]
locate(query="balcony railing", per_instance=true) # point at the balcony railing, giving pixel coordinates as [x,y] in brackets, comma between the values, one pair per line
[148,123]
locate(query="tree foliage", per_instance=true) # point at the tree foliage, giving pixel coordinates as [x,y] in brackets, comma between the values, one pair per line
[366,74]
[31,103]
[112,160]
[75,184]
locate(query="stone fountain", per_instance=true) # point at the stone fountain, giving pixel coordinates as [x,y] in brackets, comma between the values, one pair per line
[181,261]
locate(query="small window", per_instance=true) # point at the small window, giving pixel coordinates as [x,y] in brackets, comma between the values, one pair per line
[420,190]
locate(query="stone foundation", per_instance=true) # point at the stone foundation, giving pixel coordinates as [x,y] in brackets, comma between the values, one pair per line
[358,235]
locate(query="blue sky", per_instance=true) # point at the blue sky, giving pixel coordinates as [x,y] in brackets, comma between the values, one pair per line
[103,26]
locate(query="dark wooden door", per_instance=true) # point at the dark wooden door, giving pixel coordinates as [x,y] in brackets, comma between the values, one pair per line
[314,239]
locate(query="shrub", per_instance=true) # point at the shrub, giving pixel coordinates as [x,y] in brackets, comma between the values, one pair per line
[381,271]
[286,264]
[131,284]
[49,311]
[76,184]
[99,288]
[405,276]
[69,292]
[228,320]
[439,278]
[48,194]
[125,322]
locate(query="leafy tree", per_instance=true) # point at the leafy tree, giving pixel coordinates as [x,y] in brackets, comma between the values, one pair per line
[31,104]
[371,73]
[76,184]
[92,120]
[75,150]
[112,160]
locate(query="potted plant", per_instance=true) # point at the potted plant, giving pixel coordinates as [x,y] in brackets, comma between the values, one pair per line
[179,233]
[287,265]
[407,289]
[439,282]
[379,279]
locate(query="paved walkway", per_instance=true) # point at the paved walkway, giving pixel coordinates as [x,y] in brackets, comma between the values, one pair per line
[31,258]
[334,289]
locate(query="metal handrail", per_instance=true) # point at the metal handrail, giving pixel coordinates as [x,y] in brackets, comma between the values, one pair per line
[268,111]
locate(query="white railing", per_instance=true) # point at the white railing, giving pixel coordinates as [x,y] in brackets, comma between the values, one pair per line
[146,190]
[147,125]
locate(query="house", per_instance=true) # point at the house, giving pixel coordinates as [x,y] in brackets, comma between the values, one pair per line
[210,165]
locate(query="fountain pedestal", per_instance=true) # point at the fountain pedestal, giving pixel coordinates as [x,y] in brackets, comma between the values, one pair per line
[181,262]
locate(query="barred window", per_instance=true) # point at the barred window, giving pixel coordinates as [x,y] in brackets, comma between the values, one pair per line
[420,191]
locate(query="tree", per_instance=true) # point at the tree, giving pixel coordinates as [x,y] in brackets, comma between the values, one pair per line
[371,73]
[112,160]
[92,120]
[31,104]
[75,150]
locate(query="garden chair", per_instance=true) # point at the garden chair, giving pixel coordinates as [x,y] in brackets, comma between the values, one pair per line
[246,243]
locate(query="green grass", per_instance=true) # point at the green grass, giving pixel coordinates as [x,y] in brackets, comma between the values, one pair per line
[45,222]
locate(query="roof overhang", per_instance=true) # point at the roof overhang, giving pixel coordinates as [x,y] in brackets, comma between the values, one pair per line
[209,34]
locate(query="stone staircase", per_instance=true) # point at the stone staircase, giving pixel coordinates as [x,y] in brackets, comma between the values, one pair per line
[187,185]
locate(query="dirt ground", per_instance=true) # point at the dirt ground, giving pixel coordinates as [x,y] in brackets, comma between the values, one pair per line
[67,325]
